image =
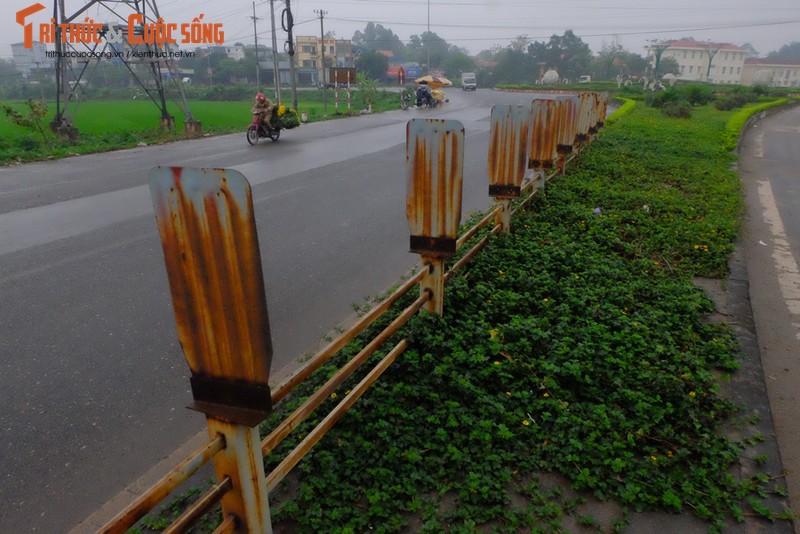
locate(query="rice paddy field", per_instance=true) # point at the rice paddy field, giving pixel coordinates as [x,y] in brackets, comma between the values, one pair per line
[122,116]
[114,124]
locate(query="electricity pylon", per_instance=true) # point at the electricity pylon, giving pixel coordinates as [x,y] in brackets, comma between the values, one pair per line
[152,66]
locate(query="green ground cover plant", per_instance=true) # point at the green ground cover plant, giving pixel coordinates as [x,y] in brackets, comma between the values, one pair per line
[574,365]
[575,347]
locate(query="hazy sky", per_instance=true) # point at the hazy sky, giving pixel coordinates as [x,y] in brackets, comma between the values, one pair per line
[479,24]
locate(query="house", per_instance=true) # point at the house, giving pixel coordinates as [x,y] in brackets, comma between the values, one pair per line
[703,61]
[308,49]
[28,60]
[771,72]
[235,52]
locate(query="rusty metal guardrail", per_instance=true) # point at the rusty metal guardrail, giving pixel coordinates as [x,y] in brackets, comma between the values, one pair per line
[205,219]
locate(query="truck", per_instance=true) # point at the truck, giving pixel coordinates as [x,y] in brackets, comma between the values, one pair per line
[468,81]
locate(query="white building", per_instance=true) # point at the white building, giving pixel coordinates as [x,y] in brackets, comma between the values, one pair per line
[235,52]
[771,72]
[703,61]
[29,59]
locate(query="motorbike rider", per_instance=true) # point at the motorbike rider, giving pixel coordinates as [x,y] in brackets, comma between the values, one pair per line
[424,95]
[264,106]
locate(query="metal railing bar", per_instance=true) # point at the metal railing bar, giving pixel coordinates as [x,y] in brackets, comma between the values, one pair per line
[200,507]
[325,354]
[318,397]
[148,500]
[525,202]
[297,454]
[227,526]
[477,247]
[480,224]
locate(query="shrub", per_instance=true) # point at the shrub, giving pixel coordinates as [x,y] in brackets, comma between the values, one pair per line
[734,101]
[734,126]
[761,90]
[677,110]
[29,143]
[659,99]
[698,95]
[624,109]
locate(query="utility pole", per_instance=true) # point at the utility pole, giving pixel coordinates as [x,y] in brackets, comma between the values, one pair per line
[288,23]
[322,14]
[276,73]
[428,45]
[255,35]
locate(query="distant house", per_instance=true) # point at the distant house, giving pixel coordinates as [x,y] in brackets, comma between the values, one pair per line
[233,52]
[703,61]
[338,52]
[771,72]
[28,60]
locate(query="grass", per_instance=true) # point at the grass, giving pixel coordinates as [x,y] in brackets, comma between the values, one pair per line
[575,349]
[115,124]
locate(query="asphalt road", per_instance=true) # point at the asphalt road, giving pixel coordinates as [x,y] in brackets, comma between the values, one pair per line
[92,381]
[768,166]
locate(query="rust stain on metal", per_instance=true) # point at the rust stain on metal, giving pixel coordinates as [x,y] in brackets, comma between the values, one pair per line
[508,149]
[434,177]
[208,233]
[584,117]
[544,134]
[241,461]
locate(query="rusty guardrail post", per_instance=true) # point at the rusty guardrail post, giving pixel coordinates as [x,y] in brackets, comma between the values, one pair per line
[569,108]
[434,179]
[208,233]
[543,139]
[508,156]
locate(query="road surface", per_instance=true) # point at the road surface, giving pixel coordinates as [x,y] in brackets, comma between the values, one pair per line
[93,382]
[768,167]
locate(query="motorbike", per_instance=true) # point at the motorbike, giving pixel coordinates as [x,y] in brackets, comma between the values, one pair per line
[405,99]
[436,97]
[257,130]
[425,102]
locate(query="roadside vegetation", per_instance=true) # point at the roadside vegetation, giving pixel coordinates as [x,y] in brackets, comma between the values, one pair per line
[575,368]
[127,118]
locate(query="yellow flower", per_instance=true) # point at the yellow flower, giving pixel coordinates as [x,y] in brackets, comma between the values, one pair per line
[525,422]
[334,395]
[281,110]
[508,393]
[545,395]
[497,363]
[692,394]
[654,458]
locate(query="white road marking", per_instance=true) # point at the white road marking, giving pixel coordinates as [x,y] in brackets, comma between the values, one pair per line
[785,263]
[759,149]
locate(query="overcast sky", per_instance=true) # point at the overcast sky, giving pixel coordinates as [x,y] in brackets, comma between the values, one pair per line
[479,24]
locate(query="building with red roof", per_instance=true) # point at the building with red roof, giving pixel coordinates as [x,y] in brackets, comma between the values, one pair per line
[771,72]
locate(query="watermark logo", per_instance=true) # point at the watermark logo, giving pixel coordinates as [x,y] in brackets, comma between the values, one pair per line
[28,28]
[137,32]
